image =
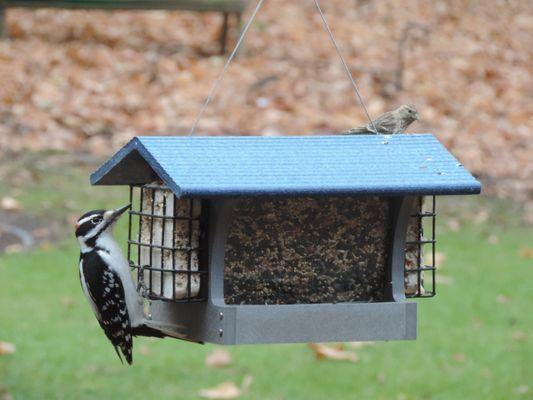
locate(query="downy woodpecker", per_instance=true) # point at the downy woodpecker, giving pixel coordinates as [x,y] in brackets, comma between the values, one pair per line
[106,279]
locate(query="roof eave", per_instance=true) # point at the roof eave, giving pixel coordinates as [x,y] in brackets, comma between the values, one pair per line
[134,145]
[135,164]
[251,192]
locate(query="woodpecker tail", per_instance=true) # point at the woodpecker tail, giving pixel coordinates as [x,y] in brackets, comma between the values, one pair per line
[129,357]
[128,354]
[144,330]
[126,348]
[118,354]
[160,332]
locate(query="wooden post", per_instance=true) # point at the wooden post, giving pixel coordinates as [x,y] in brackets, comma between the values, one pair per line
[3,25]
[224,33]
[239,22]
[238,28]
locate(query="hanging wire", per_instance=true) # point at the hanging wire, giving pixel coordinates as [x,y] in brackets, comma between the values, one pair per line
[225,68]
[347,69]
[215,85]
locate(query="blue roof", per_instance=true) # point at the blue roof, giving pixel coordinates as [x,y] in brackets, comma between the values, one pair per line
[213,166]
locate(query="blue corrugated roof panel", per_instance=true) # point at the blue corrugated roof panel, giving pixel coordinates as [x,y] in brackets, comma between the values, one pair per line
[211,166]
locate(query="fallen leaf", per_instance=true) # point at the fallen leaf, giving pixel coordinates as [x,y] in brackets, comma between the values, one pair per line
[4,394]
[144,350]
[440,258]
[444,279]
[459,357]
[92,368]
[246,382]
[10,204]
[218,358]
[502,299]
[359,345]
[227,390]
[522,389]
[332,353]
[7,348]
[519,336]
[13,248]
[72,219]
[46,245]
[493,239]
[526,252]
[41,233]
[454,224]
[67,301]
[481,216]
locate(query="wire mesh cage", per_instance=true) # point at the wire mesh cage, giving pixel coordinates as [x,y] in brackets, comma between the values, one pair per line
[420,263]
[167,244]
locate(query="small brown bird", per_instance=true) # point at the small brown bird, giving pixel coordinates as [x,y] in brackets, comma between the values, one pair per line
[389,123]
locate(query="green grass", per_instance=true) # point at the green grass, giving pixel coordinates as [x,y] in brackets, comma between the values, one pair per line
[474,337]
[53,185]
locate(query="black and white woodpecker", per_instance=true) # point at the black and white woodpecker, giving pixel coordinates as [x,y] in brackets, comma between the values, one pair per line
[107,282]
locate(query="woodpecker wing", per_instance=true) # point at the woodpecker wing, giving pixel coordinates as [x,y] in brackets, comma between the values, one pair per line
[105,293]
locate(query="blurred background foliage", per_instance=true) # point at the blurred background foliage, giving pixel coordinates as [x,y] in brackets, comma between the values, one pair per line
[75,85]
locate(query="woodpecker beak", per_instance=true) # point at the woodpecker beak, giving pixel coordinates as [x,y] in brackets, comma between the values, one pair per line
[113,215]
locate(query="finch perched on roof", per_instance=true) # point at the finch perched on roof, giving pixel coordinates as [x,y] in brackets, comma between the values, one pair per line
[389,123]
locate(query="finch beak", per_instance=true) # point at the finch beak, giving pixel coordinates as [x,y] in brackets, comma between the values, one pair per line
[417,116]
[112,215]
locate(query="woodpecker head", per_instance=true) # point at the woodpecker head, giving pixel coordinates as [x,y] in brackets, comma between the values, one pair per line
[95,224]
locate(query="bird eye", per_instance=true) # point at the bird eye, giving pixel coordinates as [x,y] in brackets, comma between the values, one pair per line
[96,220]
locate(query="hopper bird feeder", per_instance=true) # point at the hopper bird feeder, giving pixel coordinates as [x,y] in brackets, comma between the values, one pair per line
[236,240]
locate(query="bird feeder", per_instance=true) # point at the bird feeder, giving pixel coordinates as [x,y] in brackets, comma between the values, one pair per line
[236,240]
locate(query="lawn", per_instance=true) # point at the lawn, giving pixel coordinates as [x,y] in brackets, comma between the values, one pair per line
[474,338]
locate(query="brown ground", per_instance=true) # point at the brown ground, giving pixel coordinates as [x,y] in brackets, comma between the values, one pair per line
[89,81]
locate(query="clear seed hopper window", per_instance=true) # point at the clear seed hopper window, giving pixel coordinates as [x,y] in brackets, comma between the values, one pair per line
[323,250]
